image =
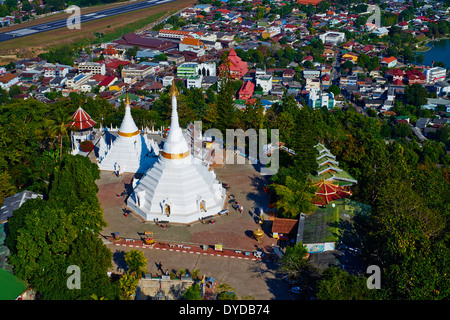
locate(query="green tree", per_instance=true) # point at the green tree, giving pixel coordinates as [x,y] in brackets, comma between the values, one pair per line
[136,261]
[294,197]
[61,128]
[128,284]
[416,95]
[193,292]
[226,292]
[337,284]
[225,102]
[7,188]
[295,264]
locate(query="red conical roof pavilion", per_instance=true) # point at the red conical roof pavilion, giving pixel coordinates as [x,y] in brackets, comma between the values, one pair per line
[82,120]
[329,191]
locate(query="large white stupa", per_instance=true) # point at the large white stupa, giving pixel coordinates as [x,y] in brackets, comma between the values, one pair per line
[129,152]
[178,187]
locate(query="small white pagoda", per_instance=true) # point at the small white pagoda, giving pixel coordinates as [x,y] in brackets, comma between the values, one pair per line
[129,151]
[178,187]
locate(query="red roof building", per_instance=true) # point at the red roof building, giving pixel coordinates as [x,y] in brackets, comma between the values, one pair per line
[82,120]
[238,68]
[329,191]
[415,76]
[107,81]
[246,90]
[313,2]
[115,63]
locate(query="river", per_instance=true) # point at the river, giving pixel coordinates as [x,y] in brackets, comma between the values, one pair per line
[440,51]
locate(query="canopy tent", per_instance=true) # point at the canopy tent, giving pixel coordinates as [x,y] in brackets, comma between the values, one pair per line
[329,191]
[82,120]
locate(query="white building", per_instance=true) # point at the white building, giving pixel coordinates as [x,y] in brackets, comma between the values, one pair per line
[207,69]
[194,81]
[94,67]
[137,71]
[178,187]
[7,80]
[332,37]
[265,81]
[318,99]
[78,81]
[435,74]
[167,81]
[129,151]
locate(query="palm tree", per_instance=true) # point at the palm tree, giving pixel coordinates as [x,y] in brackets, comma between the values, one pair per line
[61,128]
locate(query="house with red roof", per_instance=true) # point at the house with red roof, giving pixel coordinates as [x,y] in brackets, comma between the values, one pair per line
[307,2]
[415,76]
[397,77]
[238,67]
[246,90]
[106,82]
[289,27]
[390,62]
[403,25]
[326,80]
[114,64]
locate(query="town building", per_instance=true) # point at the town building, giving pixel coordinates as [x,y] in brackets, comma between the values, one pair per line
[390,62]
[435,74]
[7,80]
[137,71]
[332,37]
[93,67]
[319,99]
[78,81]
[187,69]
[194,45]
[194,81]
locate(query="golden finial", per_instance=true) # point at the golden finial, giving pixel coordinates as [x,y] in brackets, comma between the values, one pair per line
[173,89]
[127,100]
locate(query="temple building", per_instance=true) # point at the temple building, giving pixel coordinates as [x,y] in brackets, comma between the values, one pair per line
[238,68]
[129,151]
[82,129]
[329,169]
[179,187]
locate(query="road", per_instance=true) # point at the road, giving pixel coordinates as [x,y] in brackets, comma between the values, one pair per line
[83,18]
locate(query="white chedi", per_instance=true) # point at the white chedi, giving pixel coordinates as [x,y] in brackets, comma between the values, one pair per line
[177,188]
[129,152]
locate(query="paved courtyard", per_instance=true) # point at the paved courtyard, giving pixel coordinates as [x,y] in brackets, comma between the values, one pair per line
[234,231]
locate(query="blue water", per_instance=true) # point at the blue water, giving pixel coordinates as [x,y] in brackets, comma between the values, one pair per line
[440,51]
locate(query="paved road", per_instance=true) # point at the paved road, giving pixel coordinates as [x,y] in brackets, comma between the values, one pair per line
[83,18]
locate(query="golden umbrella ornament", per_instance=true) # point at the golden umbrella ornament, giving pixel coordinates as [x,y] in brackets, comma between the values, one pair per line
[258,234]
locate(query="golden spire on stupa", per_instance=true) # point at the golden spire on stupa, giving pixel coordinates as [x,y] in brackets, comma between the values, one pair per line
[173,90]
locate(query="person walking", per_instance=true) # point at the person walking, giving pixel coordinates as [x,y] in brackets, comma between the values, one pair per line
[242,209]
[237,206]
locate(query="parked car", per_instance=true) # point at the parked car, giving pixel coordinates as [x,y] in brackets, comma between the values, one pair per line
[226,211]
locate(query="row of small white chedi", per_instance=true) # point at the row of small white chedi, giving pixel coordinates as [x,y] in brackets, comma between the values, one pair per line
[145,130]
[95,134]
